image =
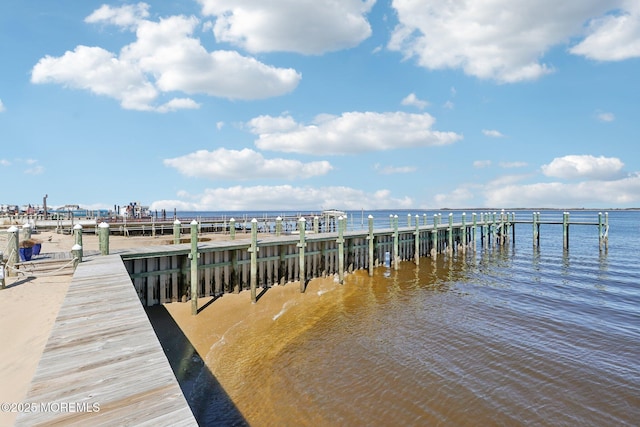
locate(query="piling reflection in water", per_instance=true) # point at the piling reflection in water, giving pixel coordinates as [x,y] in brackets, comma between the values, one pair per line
[511,336]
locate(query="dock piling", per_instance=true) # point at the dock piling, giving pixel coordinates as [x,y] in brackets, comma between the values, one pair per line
[193,256]
[370,238]
[13,234]
[340,242]
[301,249]
[103,238]
[176,231]
[253,250]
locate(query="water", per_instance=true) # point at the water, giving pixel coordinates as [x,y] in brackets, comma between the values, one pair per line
[513,336]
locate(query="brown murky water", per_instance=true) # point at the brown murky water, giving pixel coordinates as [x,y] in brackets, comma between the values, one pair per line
[501,337]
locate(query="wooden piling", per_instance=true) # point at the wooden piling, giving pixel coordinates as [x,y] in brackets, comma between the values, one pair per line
[340,242]
[565,230]
[370,238]
[416,233]
[193,256]
[26,231]
[450,241]
[463,239]
[103,238]
[176,231]
[13,234]
[434,238]
[301,250]
[76,250]
[396,244]
[253,250]
[77,232]
[232,229]
[536,230]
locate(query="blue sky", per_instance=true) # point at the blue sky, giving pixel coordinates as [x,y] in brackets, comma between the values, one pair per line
[314,104]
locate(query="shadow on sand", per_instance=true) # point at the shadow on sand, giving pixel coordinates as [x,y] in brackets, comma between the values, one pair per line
[210,404]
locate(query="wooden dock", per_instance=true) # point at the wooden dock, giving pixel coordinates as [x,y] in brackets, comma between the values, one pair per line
[103,364]
[180,272]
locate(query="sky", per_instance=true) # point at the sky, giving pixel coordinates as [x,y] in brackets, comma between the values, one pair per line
[226,105]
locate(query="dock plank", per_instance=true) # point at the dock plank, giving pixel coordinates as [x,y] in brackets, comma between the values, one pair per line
[103,354]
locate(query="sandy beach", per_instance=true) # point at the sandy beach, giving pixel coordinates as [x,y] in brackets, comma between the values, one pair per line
[28,309]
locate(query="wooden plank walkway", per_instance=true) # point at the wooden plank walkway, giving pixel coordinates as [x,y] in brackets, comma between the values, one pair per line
[103,364]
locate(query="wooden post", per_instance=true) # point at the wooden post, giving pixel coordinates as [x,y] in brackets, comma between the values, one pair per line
[316,224]
[565,230]
[153,225]
[278,226]
[434,237]
[396,244]
[502,229]
[13,237]
[606,230]
[103,238]
[301,246]
[474,229]
[176,232]
[464,232]
[371,245]
[77,231]
[512,224]
[253,250]
[26,230]
[232,229]
[390,220]
[2,271]
[76,250]
[340,250]
[493,228]
[193,256]
[416,254]
[450,248]
[424,216]
[408,220]
[536,240]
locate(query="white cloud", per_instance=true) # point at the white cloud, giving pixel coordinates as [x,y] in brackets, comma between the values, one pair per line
[504,40]
[413,100]
[5,162]
[99,71]
[243,165]
[556,194]
[479,164]
[165,58]
[492,133]
[34,168]
[460,197]
[512,165]
[613,37]
[392,170]
[584,166]
[606,117]
[302,26]
[2,107]
[601,184]
[352,132]
[275,197]
[178,104]
[124,16]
